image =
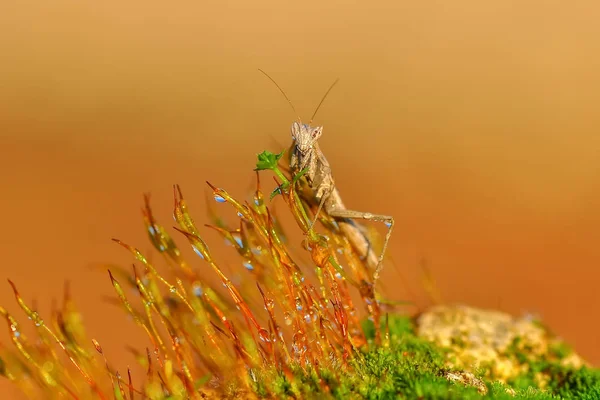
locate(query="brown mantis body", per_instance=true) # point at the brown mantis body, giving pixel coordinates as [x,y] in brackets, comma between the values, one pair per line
[306,154]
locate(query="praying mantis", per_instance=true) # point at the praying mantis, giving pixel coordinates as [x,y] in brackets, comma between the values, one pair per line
[307,156]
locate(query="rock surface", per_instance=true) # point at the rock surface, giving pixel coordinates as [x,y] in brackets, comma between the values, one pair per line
[491,342]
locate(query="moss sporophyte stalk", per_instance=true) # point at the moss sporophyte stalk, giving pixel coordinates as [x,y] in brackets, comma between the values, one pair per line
[289,329]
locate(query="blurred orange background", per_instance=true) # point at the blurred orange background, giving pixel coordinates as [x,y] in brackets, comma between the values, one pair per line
[475,124]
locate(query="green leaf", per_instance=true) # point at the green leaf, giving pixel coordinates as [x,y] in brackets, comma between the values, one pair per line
[268,160]
[275,192]
[278,190]
[299,175]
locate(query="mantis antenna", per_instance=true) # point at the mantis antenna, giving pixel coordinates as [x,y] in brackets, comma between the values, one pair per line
[283,93]
[323,99]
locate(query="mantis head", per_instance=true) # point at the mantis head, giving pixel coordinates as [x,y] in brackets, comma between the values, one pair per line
[305,136]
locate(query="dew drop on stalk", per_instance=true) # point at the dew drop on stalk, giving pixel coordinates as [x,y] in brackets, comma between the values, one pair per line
[239,214]
[287,317]
[263,334]
[173,289]
[197,289]
[257,250]
[248,265]
[238,240]
[269,304]
[197,251]
[298,304]
[338,275]
[388,224]
[219,198]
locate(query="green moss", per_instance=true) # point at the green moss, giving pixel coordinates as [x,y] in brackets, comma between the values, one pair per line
[560,350]
[412,368]
[570,383]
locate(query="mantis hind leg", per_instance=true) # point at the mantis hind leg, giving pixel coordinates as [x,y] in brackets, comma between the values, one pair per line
[389,222]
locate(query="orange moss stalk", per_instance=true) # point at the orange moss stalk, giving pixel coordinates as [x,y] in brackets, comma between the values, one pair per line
[286,317]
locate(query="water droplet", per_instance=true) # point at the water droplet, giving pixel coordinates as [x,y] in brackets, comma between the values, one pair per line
[307,318]
[257,201]
[388,224]
[239,214]
[17,333]
[287,318]
[197,290]
[248,265]
[263,334]
[238,240]
[338,275]
[219,198]
[298,304]
[269,304]
[151,230]
[173,289]
[340,250]
[197,251]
